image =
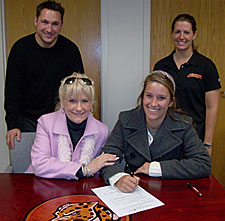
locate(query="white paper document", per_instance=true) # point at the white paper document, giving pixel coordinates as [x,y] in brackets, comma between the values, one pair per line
[123,204]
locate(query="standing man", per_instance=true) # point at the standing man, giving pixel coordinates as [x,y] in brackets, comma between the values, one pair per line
[36,65]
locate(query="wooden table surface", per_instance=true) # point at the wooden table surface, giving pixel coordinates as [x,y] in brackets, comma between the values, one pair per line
[20,193]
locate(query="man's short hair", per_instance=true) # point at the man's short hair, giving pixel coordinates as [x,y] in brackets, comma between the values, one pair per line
[52,5]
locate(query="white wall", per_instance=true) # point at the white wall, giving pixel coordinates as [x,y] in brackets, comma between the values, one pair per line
[4,151]
[125,48]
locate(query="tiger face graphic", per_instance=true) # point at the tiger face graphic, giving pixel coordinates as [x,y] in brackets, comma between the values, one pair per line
[83,212]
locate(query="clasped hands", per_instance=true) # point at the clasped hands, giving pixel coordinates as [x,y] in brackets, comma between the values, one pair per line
[130,183]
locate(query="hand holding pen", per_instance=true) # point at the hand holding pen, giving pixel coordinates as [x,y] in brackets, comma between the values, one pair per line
[128,183]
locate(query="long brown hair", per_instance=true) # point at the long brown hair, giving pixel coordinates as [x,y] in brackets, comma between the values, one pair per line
[166,80]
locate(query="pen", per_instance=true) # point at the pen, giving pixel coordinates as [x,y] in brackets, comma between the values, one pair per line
[131,173]
[129,170]
[194,189]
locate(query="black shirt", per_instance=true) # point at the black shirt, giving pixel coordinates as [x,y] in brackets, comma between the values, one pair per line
[76,131]
[33,76]
[194,78]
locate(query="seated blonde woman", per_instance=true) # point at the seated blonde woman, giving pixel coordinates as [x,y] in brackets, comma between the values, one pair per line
[68,141]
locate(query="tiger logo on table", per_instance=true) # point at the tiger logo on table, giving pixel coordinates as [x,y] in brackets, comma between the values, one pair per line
[84,211]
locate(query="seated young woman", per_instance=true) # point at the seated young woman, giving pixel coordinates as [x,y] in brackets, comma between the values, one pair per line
[155,139]
[69,140]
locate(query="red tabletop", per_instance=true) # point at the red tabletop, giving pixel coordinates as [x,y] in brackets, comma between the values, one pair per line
[22,193]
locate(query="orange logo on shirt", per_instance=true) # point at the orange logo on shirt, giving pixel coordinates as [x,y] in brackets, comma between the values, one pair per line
[193,75]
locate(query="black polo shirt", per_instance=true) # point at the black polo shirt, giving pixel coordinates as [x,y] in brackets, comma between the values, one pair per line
[196,77]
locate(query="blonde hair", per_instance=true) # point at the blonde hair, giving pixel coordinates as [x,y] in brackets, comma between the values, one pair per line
[161,77]
[74,85]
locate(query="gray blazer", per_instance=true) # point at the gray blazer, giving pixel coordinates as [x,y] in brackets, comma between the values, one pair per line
[176,146]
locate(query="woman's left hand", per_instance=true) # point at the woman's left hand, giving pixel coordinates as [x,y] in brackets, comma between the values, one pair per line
[143,169]
[105,159]
[209,149]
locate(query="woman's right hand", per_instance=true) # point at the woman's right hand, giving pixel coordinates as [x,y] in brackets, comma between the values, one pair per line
[127,183]
[105,159]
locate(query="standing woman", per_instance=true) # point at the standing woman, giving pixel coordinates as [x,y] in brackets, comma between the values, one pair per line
[196,77]
[68,141]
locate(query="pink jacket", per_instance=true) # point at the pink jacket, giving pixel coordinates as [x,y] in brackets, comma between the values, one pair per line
[45,160]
